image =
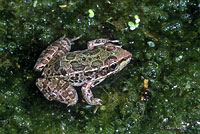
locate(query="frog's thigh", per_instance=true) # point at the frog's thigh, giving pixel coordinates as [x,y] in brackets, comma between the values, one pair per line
[88,96]
[91,44]
[57,90]
[68,95]
[56,49]
[43,85]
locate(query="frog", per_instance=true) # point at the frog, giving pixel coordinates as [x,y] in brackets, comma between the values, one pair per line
[62,70]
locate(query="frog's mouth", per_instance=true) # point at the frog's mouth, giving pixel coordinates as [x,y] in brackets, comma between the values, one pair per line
[116,67]
[123,62]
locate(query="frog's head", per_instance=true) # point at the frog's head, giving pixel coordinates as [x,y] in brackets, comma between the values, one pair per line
[118,58]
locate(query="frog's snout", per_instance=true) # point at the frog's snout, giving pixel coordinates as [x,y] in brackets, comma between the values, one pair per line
[127,54]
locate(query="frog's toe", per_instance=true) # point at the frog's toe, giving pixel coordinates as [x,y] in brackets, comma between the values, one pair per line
[96,101]
[71,103]
[99,101]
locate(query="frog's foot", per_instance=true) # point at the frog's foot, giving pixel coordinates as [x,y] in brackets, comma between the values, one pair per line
[56,49]
[57,90]
[91,44]
[75,38]
[88,96]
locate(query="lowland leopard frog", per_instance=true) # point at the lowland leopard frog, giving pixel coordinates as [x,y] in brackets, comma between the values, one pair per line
[62,70]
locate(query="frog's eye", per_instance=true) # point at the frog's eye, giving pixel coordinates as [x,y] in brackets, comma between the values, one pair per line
[113,67]
[110,48]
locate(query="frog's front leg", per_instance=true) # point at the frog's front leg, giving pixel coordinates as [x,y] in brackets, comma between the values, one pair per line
[60,90]
[56,49]
[88,96]
[91,44]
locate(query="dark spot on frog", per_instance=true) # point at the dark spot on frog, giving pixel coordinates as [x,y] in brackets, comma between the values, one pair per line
[63,48]
[71,81]
[56,66]
[97,41]
[57,89]
[51,97]
[44,91]
[83,59]
[89,59]
[70,56]
[50,52]
[65,39]
[97,63]
[77,66]
[110,60]
[96,82]
[65,94]
[88,78]
[65,86]
[48,58]
[67,99]
[74,78]
[89,73]
[63,72]
[45,82]
[61,99]
[44,61]
[104,71]
[44,86]
[49,89]
[98,57]
[84,85]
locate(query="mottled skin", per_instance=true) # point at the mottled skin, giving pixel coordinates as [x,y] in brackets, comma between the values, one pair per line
[63,69]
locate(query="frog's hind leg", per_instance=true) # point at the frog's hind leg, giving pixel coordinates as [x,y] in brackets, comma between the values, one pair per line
[57,90]
[88,96]
[91,44]
[56,49]
[43,85]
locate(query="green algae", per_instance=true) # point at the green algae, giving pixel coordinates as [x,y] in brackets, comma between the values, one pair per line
[165,50]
